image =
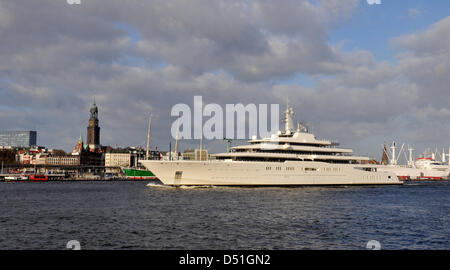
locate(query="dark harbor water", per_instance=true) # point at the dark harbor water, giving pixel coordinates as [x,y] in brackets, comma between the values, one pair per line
[131,215]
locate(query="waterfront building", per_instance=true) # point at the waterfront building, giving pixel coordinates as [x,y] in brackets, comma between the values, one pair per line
[18,138]
[117,159]
[29,156]
[43,156]
[138,153]
[92,159]
[66,160]
[129,156]
[25,158]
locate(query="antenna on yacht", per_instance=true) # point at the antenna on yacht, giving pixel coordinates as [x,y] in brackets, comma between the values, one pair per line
[393,160]
[301,127]
[176,139]
[443,156]
[201,145]
[288,119]
[148,137]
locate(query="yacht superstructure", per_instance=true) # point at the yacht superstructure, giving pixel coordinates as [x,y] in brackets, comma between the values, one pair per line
[292,157]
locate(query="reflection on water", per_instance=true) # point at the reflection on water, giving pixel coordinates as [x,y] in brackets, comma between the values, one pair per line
[135,215]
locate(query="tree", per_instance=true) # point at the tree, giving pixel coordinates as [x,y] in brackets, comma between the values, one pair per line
[8,156]
[59,152]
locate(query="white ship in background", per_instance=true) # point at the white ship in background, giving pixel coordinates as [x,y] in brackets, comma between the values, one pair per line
[292,157]
[426,167]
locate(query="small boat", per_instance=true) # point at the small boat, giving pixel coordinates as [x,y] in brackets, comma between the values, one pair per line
[11,178]
[16,178]
[38,177]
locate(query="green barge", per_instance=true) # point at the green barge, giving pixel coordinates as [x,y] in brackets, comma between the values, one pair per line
[139,174]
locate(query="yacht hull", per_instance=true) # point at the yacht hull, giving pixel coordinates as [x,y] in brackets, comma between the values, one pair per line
[248,173]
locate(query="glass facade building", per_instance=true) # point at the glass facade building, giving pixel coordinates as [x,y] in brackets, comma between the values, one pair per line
[18,138]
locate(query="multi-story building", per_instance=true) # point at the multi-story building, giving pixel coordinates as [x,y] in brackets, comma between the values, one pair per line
[117,159]
[18,138]
[66,160]
[29,156]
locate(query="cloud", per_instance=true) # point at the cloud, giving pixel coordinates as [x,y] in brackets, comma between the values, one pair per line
[243,38]
[55,57]
[6,18]
[434,40]
[302,18]
[424,61]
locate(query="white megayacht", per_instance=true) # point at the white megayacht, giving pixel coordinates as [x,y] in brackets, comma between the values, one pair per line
[289,158]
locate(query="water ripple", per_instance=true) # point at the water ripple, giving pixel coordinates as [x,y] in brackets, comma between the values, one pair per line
[134,215]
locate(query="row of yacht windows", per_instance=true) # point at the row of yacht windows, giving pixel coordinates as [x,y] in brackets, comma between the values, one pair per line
[307,169]
[293,152]
[273,159]
[298,144]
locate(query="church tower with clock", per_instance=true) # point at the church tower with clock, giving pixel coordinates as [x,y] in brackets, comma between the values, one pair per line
[93,130]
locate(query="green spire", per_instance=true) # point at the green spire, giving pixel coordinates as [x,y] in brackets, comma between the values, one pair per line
[81,137]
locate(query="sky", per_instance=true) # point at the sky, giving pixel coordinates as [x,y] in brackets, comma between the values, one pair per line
[355,73]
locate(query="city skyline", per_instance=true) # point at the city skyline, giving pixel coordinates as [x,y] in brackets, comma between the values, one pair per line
[362,74]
